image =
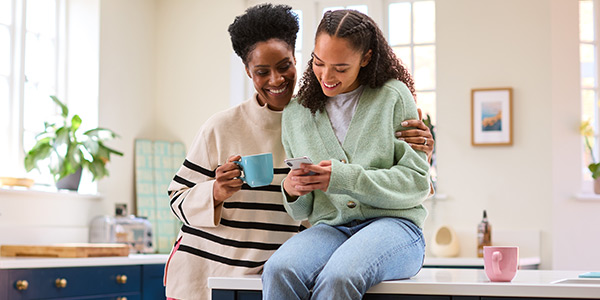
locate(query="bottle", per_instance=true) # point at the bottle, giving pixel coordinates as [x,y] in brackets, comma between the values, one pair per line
[484,234]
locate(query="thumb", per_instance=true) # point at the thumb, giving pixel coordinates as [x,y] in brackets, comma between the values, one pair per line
[325,163]
[420,113]
[234,158]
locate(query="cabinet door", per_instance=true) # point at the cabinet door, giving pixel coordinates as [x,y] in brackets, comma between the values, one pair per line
[152,282]
[3,284]
[81,281]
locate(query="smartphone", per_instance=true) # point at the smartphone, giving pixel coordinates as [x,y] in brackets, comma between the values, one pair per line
[295,163]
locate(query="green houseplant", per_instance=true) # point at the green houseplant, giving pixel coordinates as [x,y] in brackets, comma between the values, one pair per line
[67,151]
[588,132]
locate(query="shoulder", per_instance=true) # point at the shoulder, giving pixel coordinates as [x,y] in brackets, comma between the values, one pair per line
[398,87]
[393,91]
[294,110]
[226,116]
[293,106]
[396,94]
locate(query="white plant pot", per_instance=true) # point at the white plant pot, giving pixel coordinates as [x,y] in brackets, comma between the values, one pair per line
[445,242]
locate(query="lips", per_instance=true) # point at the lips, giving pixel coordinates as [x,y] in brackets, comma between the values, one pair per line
[278,91]
[331,86]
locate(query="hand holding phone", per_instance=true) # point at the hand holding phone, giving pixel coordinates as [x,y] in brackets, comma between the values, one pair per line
[296,163]
[299,184]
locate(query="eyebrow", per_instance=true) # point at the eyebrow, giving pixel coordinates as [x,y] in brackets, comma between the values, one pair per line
[337,65]
[266,66]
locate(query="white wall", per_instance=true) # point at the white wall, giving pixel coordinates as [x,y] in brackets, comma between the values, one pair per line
[532,47]
[495,44]
[127,89]
[192,64]
[165,68]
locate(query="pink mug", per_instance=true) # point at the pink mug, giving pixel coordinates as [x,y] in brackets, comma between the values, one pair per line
[501,262]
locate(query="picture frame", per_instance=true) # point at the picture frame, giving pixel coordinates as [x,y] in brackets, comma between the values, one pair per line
[491,117]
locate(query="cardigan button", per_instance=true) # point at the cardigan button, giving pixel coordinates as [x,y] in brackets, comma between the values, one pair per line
[343,161]
[351,204]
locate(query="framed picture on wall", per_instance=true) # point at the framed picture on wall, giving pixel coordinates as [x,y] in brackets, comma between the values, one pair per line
[491,117]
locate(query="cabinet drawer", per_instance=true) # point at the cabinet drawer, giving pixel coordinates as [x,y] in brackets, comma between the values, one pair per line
[83,281]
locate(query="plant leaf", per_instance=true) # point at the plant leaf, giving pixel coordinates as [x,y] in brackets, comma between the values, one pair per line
[63,107]
[75,123]
[101,134]
[40,151]
[595,169]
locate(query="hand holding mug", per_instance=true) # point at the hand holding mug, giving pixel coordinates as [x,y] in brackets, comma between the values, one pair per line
[257,170]
[227,180]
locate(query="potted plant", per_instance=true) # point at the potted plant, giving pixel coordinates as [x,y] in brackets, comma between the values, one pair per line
[68,152]
[588,132]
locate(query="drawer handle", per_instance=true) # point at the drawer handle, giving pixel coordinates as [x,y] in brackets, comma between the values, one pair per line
[121,279]
[61,283]
[22,285]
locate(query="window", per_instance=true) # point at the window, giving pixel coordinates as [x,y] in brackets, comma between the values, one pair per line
[33,66]
[411,33]
[29,73]
[298,50]
[588,49]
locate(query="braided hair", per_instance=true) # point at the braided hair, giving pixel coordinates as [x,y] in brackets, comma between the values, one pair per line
[363,35]
[261,23]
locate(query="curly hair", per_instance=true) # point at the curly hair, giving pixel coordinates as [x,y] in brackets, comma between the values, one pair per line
[261,23]
[363,35]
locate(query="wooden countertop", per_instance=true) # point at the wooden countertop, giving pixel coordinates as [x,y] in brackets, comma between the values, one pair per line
[46,262]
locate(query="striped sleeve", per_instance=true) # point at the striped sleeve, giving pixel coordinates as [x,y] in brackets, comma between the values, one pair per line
[191,190]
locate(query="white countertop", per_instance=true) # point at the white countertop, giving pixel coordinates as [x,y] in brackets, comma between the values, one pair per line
[465,262]
[53,262]
[458,282]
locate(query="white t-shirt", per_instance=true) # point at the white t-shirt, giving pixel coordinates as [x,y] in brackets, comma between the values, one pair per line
[340,110]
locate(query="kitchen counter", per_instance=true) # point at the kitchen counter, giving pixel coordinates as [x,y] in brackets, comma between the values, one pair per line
[53,262]
[525,263]
[457,282]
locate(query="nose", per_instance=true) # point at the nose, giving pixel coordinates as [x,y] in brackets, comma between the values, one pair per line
[276,79]
[327,74]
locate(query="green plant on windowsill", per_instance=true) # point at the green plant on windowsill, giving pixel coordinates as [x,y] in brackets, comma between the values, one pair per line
[588,132]
[67,151]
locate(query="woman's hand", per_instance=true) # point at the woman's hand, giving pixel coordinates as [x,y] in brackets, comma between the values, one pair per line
[298,183]
[227,182]
[420,138]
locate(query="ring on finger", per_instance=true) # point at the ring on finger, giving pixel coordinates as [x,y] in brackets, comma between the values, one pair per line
[425,142]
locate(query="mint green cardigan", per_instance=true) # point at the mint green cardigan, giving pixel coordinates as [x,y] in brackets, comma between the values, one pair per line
[373,173]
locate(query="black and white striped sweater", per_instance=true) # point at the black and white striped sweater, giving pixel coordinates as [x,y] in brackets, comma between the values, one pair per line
[237,237]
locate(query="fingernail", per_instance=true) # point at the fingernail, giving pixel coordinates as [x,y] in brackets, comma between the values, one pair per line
[404,123]
[398,133]
[401,139]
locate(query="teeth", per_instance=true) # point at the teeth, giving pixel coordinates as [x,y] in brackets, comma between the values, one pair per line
[278,91]
[330,86]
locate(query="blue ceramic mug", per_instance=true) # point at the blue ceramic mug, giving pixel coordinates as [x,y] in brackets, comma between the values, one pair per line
[257,170]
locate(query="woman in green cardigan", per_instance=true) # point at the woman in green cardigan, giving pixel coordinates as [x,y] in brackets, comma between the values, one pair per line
[365,198]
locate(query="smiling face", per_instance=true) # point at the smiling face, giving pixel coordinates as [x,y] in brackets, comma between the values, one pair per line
[336,64]
[271,66]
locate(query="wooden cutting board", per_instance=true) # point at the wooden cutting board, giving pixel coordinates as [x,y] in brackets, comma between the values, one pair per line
[66,250]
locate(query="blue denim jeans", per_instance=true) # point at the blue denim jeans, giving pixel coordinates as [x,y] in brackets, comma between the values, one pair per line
[343,262]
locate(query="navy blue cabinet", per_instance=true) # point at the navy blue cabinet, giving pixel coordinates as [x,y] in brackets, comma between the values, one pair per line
[100,282]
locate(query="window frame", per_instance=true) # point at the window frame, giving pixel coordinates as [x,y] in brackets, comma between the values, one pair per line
[587,182]
[17,81]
